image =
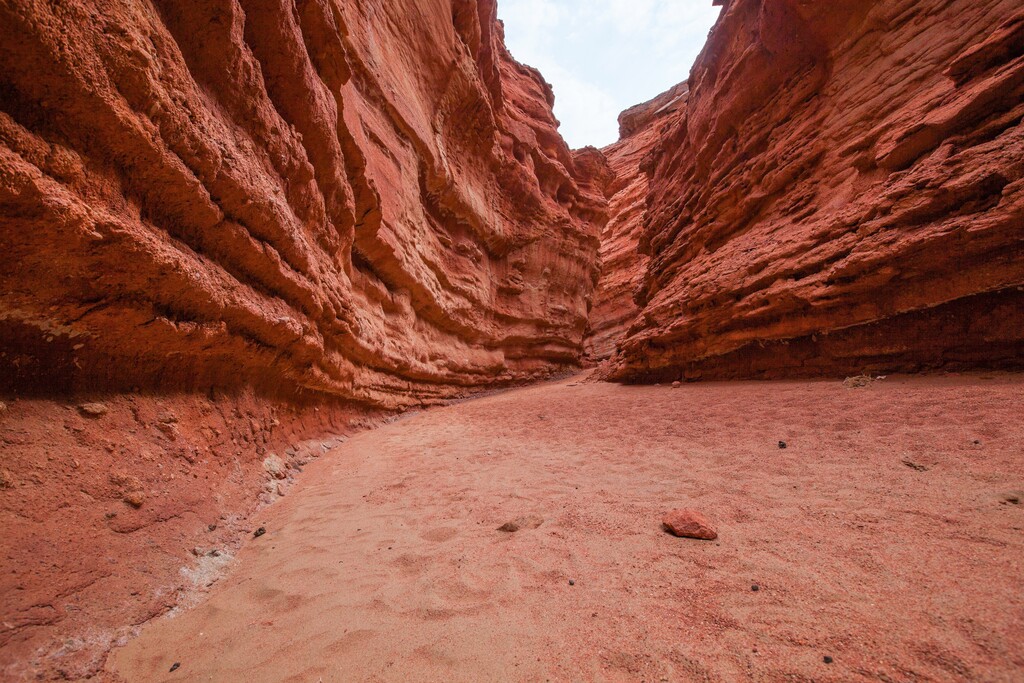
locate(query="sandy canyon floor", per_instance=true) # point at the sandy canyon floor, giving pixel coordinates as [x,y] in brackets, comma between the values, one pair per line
[887,536]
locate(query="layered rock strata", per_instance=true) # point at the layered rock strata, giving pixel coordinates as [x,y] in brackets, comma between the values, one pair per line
[365,200]
[622,265]
[231,226]
[843,191]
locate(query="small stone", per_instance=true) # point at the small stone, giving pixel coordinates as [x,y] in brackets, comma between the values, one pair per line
[782,444]
[755,588]
[676,385]
[259,532]
[135,498]
[211,527]
[92,410]
[168,428]
[827,659]
[175,666]
[198,552]
[528,522]
[688,523]
[858,381]
[6,479]
[571,582]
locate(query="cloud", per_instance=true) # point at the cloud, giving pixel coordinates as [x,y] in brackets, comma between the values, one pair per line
[588,113]
[603,56]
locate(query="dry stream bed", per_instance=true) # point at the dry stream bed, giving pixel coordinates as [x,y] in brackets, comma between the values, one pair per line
[885,542]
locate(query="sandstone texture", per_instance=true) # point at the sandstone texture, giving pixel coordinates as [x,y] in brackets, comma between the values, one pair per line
[236,231]
[366,200]
[689,523]
[229,226]
[842,192]
[622,265]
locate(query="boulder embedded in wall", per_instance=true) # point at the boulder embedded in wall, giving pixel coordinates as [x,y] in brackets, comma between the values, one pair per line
[844,190]
[325,198]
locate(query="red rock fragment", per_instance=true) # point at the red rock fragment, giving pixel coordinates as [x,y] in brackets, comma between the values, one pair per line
[689,523]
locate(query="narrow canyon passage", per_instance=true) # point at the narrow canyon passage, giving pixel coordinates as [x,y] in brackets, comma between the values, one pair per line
[241,234]
[885,536]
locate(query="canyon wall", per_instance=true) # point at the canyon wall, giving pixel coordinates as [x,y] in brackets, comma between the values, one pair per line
[842,192]
[233,226]
[622,265]
[360,200]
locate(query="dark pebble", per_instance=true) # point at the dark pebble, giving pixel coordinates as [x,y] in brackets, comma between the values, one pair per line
[827,659]
[259,532]
[571,582]
[174,667]
[755,588]
[782,444]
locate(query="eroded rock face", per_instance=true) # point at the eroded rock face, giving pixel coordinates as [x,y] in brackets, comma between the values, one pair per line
[622,266]
[350,207]
[367,200]
[843,191]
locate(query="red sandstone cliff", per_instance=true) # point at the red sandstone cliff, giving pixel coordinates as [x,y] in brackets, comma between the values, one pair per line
[622,266]
[844,190]
[358,205]
[365,200]
[367,205]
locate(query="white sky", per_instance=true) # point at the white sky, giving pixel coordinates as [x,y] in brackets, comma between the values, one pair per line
[603,56]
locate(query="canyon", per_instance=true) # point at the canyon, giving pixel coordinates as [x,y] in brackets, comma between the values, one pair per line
[239,232]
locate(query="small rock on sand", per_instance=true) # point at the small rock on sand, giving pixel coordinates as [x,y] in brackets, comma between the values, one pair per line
[528,522]
[676,385]
[689,523]
[859,381]
[92,410]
